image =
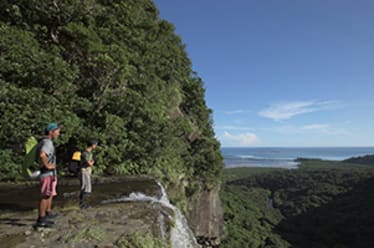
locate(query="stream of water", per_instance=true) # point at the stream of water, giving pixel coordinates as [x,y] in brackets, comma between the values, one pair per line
[181,234]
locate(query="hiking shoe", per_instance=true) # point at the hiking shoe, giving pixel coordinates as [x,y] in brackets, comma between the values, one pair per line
[50,215]
[43,223]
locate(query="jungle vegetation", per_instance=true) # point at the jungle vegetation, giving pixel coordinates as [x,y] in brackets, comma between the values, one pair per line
[110,70]
[321,204]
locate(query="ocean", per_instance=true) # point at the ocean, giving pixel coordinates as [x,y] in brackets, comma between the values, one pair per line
[285,157]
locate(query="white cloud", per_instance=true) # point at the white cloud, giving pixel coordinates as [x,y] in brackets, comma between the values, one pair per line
[287,110]
[243,139]
[238,111]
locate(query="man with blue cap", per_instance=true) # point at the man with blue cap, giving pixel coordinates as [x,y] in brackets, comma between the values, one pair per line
[48,176]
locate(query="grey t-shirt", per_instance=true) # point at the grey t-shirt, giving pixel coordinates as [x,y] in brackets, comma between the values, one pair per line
[48,147]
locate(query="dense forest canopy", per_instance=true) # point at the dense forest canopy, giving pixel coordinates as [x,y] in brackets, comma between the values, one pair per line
[322,204]
[368,160]
[112,70]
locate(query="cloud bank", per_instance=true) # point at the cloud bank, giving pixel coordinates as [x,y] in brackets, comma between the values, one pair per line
[243,139]
[287,110]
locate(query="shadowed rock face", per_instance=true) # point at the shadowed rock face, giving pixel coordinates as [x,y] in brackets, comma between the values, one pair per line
[206,217]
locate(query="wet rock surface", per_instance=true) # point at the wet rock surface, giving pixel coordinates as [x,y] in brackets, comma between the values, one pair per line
[102,225]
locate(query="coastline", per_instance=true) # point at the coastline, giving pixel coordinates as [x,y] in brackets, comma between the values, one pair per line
[288,157]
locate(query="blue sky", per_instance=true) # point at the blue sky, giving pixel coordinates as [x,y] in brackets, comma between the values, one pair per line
[282,72]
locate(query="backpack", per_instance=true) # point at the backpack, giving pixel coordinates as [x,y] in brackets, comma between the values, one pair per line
[30,165]
[75,162]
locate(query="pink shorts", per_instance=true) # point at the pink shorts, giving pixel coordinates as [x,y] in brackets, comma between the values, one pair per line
[48,186]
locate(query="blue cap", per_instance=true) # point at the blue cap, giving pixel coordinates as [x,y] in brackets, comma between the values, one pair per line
[52,126]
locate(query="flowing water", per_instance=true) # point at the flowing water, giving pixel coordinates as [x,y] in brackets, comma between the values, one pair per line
[181,234]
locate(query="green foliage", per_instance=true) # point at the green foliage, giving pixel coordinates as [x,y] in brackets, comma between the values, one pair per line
[112,70]
[307,188]
[367,160]
[322,204]
[230,174]
[249,219]
[9,168]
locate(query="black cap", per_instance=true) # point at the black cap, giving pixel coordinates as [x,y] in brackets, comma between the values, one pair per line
[92,142]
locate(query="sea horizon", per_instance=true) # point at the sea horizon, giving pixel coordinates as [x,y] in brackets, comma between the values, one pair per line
[285,157]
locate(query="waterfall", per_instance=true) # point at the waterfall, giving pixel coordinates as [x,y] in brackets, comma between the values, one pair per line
[181,234]
[164,195]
